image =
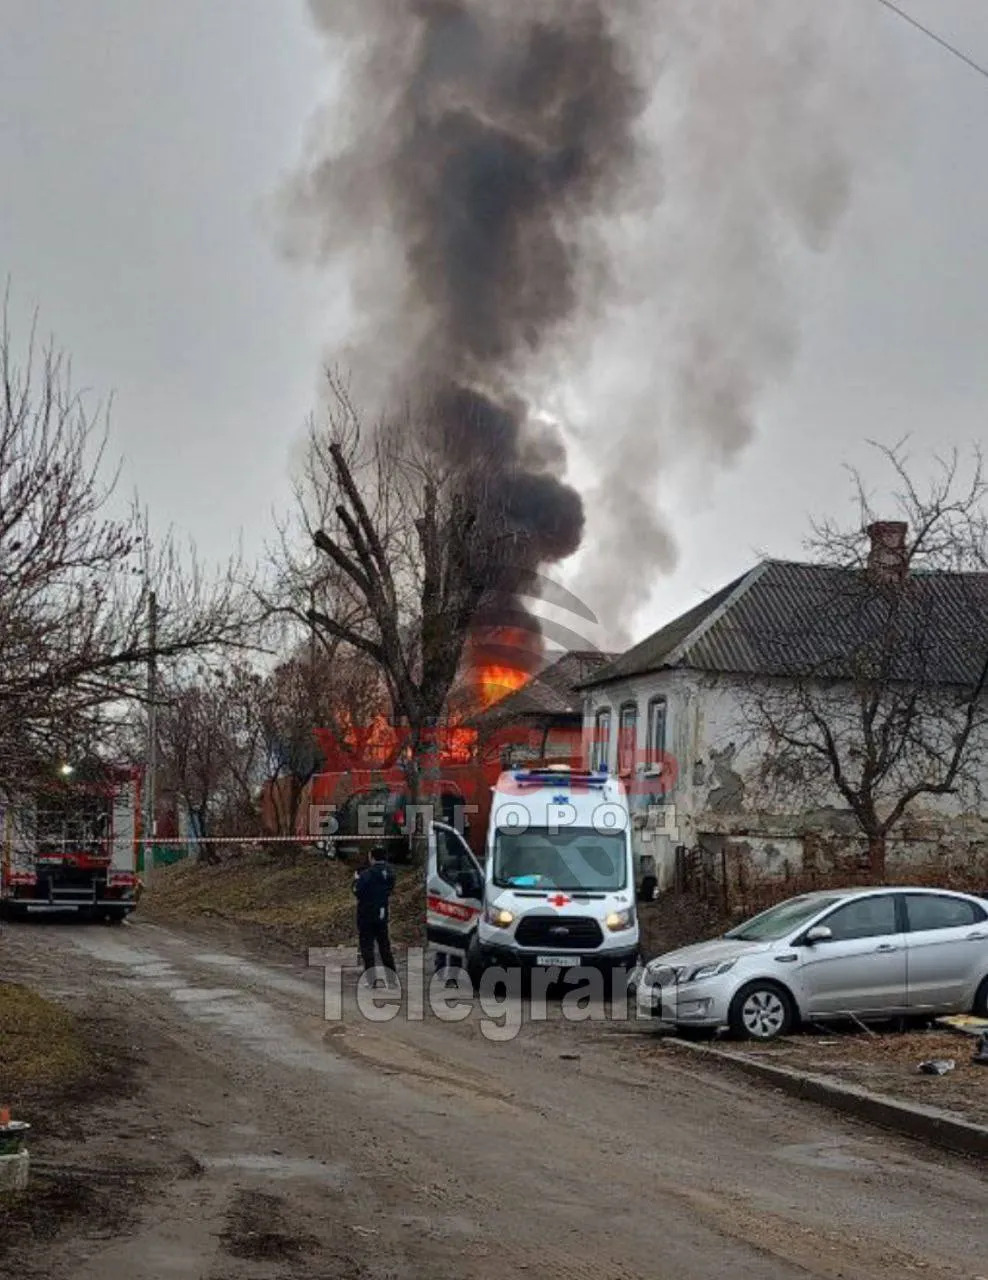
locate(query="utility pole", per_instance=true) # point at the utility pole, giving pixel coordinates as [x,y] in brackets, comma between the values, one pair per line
[150,822]
[312,643]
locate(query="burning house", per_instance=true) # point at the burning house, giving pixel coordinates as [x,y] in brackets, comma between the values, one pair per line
[543,718]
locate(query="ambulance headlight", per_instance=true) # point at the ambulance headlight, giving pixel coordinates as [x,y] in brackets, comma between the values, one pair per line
[619,920]
[499,917]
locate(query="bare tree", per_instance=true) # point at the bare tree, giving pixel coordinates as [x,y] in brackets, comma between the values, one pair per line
[880,688]
[75,577]
[411,545]
[323,693]
[211,742]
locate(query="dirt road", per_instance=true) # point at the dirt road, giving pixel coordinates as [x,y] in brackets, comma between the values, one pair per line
[262,1142]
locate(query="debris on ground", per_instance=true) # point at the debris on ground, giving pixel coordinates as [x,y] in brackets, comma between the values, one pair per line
[884,1062]
[937,1066]
[964,1023]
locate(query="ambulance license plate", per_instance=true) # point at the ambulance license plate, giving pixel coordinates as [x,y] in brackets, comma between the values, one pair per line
[567,962]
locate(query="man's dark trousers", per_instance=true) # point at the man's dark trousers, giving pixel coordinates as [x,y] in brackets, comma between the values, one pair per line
[372,888]
[374,933]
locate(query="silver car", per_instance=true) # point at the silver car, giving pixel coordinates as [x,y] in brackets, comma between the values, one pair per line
[859,953]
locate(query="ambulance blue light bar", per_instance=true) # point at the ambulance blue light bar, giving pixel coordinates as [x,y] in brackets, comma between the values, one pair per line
[559,776]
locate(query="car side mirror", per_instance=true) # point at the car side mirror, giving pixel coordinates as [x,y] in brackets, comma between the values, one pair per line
[819,933]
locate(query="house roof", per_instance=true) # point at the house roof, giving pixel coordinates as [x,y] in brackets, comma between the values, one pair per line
[552,691]
[782,617]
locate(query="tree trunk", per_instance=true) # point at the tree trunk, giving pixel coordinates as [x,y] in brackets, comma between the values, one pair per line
[290,852]
[205,853]
[424,784]
[876,854]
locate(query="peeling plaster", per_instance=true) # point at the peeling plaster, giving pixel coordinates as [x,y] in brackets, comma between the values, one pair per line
[727,795]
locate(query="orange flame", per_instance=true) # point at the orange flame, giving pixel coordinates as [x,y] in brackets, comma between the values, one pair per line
[496,682]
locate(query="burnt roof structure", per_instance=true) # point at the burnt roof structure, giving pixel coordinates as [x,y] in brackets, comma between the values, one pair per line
[554,691]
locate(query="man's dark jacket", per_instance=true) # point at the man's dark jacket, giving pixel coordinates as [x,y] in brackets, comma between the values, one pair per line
[373,889]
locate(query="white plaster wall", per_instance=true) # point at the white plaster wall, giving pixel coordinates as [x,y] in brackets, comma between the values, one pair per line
[717,793]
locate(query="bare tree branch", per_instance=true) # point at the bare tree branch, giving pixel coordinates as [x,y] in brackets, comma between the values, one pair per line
[893,707]
[76,569]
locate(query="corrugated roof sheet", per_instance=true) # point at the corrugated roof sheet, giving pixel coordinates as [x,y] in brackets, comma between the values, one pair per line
[652,653]
[782,618]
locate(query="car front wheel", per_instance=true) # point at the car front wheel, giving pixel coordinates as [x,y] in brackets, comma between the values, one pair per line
[761,1011]
[980,1009]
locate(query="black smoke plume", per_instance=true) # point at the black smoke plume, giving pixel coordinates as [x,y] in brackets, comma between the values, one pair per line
[489,178]
[476,142]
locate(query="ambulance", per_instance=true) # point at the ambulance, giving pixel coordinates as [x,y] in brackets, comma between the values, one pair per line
[557,886]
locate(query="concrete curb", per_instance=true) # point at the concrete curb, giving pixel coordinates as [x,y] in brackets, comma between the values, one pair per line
[942,1128]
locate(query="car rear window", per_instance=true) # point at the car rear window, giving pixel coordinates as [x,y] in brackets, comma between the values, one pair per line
[926,911]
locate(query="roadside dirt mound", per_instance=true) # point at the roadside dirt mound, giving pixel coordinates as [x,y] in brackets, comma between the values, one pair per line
[57,1070]
[300,900]
[41,1048]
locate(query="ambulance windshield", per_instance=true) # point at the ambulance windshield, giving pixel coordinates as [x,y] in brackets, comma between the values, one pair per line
[575,860]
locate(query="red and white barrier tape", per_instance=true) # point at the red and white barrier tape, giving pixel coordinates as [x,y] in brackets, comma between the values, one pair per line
[180,840]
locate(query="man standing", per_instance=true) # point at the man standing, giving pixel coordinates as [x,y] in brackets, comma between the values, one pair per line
[372,888]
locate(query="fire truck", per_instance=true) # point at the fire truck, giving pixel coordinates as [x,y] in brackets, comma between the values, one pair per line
[71,845]
[369,777]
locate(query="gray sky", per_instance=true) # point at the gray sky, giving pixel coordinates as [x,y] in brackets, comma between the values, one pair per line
[141,146]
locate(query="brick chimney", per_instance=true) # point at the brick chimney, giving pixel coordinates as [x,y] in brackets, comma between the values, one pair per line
[888,561]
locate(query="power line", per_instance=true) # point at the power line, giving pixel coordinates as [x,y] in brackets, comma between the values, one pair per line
[975,66]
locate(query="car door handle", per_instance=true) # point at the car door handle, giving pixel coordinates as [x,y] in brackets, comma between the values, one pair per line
[977,937]
[887,946]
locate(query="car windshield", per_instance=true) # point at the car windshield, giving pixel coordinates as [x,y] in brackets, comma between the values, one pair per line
[778,921]
[576,859]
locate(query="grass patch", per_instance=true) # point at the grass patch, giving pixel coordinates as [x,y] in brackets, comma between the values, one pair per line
[41,1047]
[302,898]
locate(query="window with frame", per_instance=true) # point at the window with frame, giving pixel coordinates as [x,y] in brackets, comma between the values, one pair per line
[926,911]
[863,918]
[627,737]
[600,750]
[452,858]
[657,715]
